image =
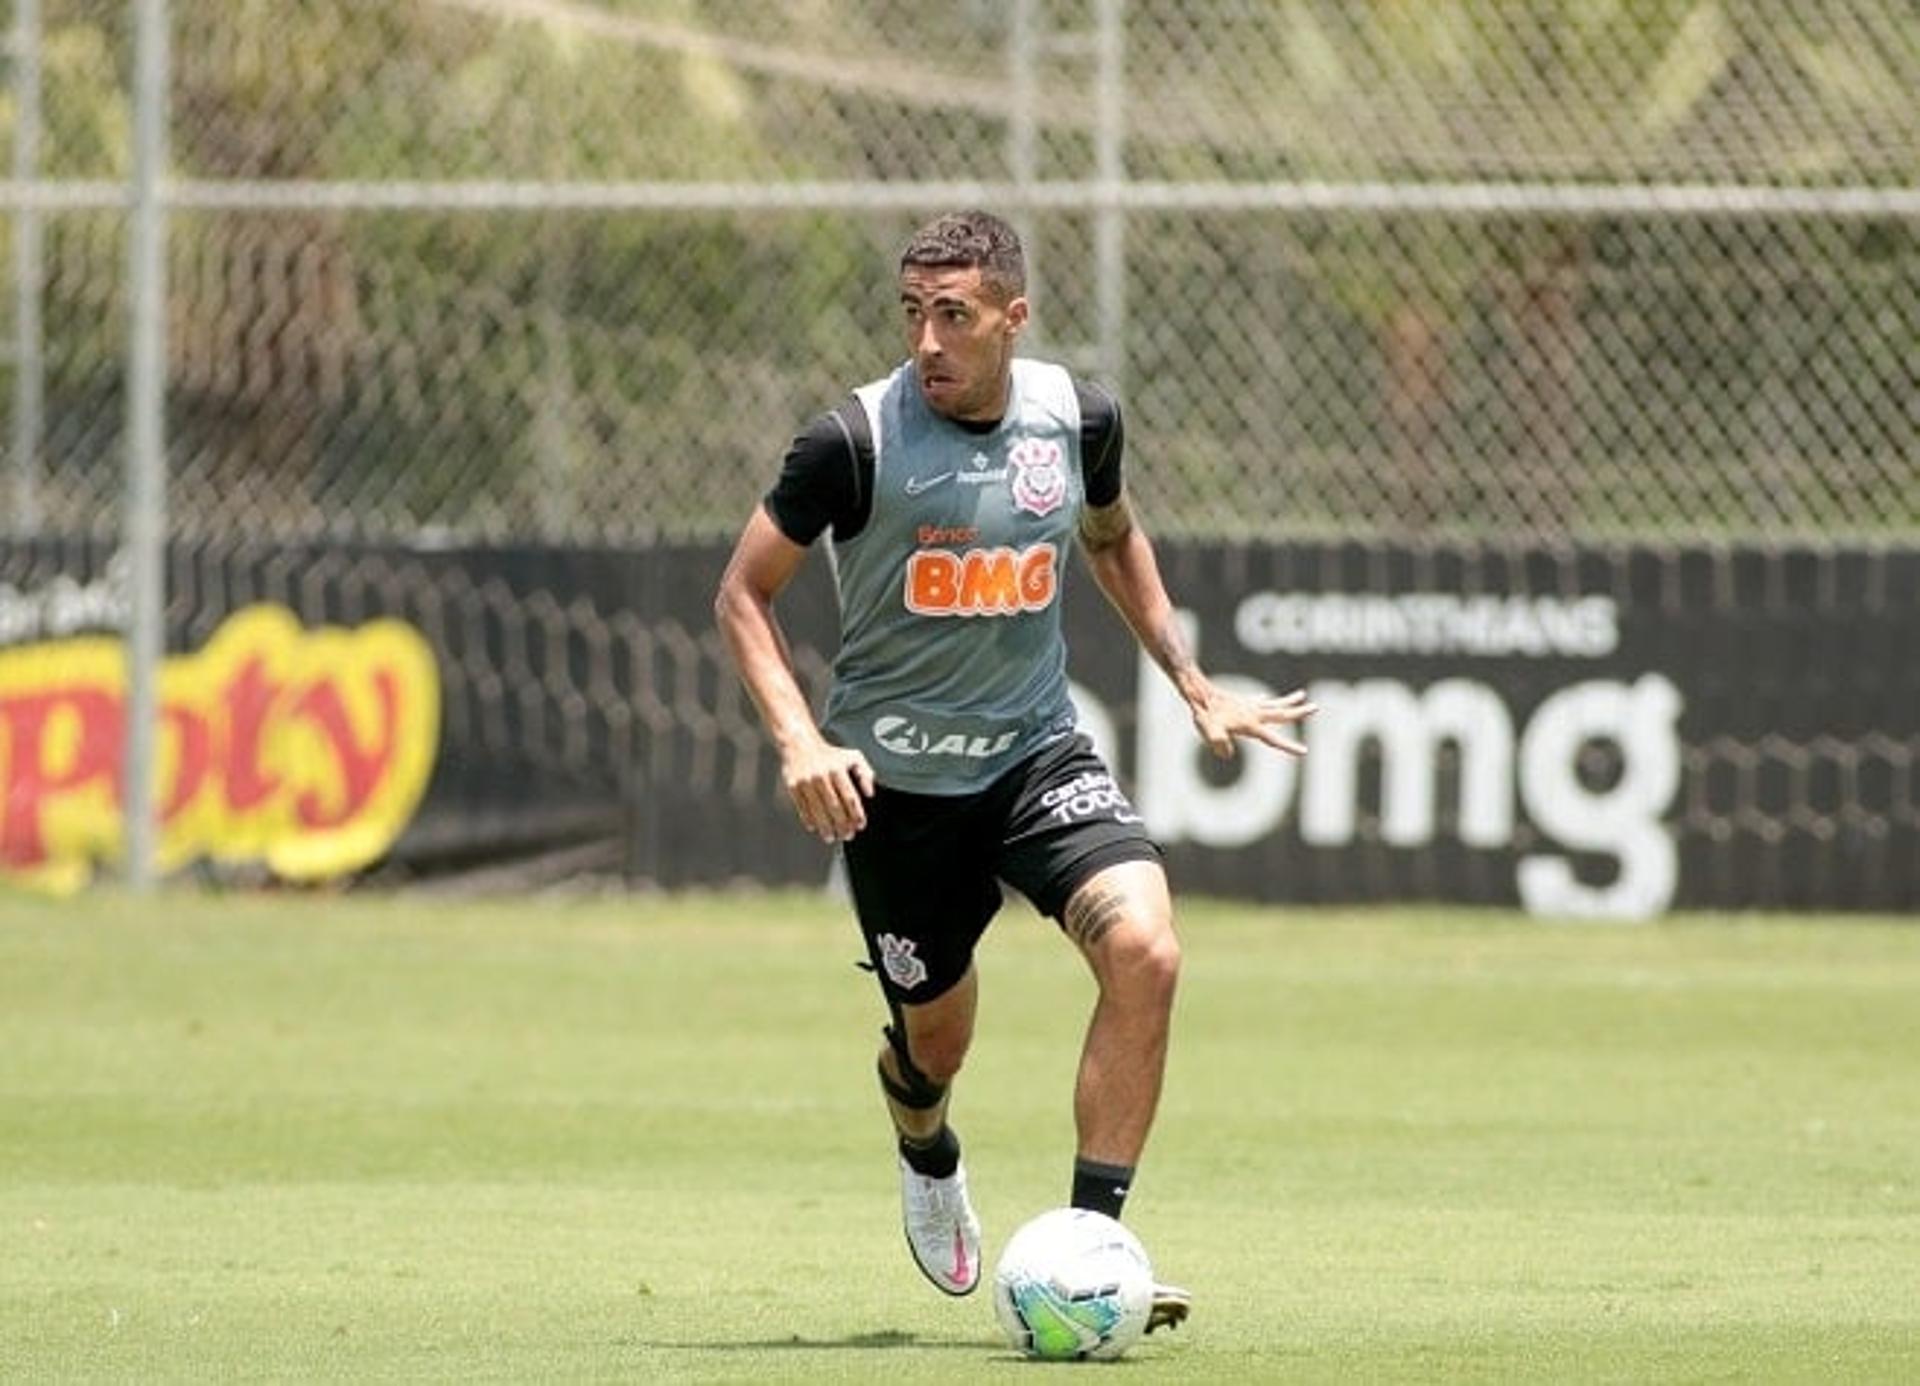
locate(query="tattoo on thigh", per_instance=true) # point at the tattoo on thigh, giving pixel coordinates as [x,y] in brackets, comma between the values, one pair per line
[1091,915]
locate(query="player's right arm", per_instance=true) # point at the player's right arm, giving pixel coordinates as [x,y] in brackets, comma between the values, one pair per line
[826,782]
[818,487]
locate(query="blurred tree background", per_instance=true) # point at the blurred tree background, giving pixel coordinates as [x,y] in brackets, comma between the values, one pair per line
[359,367]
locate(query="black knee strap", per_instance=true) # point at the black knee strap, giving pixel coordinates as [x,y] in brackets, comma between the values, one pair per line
[917,1092]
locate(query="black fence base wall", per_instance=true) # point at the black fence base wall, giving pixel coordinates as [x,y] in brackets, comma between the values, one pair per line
[1603,733]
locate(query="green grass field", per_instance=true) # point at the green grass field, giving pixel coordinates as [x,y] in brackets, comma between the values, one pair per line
[309,1138]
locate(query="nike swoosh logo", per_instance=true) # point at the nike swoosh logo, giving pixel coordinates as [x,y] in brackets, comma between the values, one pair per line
[916,485]
[962,1274]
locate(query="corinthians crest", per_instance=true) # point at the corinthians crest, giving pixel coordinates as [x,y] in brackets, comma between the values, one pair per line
[898,960]
[1039,475]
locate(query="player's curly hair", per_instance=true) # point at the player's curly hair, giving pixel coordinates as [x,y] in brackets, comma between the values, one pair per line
[972,240]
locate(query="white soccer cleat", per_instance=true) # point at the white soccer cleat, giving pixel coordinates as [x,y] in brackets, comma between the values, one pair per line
[1171,1305]
[942,1232]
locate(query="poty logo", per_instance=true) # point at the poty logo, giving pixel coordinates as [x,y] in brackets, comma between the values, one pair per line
[906,738]
[307,749]
[981,582]
[1039,475]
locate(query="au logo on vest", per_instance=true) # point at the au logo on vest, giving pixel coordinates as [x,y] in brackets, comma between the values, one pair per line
[905,737]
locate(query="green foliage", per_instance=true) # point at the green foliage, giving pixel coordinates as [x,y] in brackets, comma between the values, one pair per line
[472,370]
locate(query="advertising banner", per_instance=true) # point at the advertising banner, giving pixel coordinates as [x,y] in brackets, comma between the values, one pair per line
[306,749]
[1581,733]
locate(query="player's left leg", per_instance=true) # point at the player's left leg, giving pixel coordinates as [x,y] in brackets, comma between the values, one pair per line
[1075,847]
[1122,921]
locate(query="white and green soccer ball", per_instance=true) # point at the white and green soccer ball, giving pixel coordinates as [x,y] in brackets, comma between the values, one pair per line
[1073,1283]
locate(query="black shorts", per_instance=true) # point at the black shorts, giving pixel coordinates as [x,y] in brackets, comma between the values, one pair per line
[926,870]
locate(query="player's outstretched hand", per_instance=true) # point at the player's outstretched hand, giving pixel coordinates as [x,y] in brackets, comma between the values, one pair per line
[828,785]
[1222,718]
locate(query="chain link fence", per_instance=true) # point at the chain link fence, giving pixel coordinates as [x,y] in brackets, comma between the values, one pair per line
[547,269]
[549,283]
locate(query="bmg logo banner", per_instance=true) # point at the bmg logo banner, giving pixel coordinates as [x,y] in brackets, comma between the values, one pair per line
[1376,749]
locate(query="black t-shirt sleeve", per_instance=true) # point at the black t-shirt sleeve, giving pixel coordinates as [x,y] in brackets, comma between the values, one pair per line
[826,479]
[1103,439]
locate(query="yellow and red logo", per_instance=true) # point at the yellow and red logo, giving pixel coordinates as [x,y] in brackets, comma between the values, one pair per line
[308,750]
[982,582]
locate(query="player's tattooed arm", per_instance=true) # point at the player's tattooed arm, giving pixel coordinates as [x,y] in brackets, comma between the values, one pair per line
[1104,526]
[1092,913]
[1122,561]
[1166,642]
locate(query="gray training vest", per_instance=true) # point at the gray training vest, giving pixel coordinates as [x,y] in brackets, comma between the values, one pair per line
[952,666]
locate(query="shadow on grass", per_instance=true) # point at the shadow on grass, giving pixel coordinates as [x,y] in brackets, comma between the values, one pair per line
[883,1340]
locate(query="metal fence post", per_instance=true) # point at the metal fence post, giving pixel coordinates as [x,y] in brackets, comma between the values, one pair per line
[29,372]
[145,517]
[1110,222]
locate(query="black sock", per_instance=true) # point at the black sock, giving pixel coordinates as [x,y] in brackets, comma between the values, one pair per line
[1103,1188]
[937,1158]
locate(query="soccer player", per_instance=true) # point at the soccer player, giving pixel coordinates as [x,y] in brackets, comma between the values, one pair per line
[947,760]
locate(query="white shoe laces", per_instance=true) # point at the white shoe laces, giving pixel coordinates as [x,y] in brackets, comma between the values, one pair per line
[944,1197]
